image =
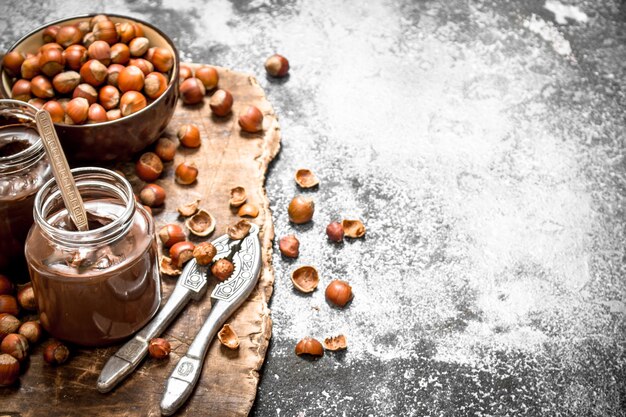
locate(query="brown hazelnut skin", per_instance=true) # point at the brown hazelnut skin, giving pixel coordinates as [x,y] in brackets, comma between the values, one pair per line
[22,90]
[109,97]
[301,210]
[56,111]
[251,120]
[96,114]
[49,34]
[26,297]
[75,57]
[9,370]
[186,173]
[87,92]
[31,330]
[152,195]
[143,64]
[277,66]
[41,87]
[155,84]
[334,231]
[55,353]
[6,286]
[181,252]
[78,110]
[166,149]
[51,62]
[162,59]
[309,346]
[8,324]
[189,135]
[120,54]
[171,234]
[30,67]
[37,102]
[221,103]
[125,31]
[222,269]
[114,114]
[338,293]
[204,253]
[159,348]
[131,102]
[93,72]
[101,51]
[149,167]
[113,74]
[209,76]
[16,345]
[104,30]
[289,246]
[184,72]
[138,46]
[68,35]
[130,78]
[12,63]
[192,91]
[66,82]
[8,304]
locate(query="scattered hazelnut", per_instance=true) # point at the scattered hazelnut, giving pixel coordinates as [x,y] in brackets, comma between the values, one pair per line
[189,135]
[334,231]
[9,370]
[335,343]
[8,304]
[277,66]
[131,102]
[338,293]
[222,269]
[239,230]
[251,120]
[184,72]
[6,286]
[31,330]
[228,337]
[189,209]
[221,103]
[26,297]
[309,346]
[186,173]
[289,246]
[171,234]
[8,324]
[301,209]
[353,228]
[305,178]
[305,278]
[159,348]
[237,196]
[204,253]
[152,195]
[248,210]
[149,167]
[16,345]
[181,252]
[168,267]
[192,91]
[208,76]
[201,224]
[55,353]
[166,149]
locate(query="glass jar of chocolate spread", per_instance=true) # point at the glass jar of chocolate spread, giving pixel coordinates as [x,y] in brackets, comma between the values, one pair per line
[24,169]
[99,286]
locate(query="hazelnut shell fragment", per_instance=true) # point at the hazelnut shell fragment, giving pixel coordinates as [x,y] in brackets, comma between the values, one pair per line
[353,228]
[305,278]
[237,196]
[168,267]
[228,337]
[189,209]
[201,224]
[309,346]
[305,178]
[289,246]
[335,343]
[239,230]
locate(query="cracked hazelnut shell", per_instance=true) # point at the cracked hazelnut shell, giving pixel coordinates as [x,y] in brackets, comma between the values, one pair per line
[239,230]
[305,278]
[237,196]
[149,167]
[189,209]
[228,337]
[305,178]
[201,224]
[168,267]
[309,346]
[353,228]
[289,246]
[335,343]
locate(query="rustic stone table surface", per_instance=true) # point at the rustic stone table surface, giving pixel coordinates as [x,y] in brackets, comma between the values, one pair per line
[482,143]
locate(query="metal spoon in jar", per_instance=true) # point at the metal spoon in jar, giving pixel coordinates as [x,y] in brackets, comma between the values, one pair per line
[61,170]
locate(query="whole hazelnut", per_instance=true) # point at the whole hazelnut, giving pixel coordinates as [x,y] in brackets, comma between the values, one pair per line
[289,246]
[97,19]
[186,173]
[204,253]
[41,87]
[301,209]
[109,97]
[181,252]
[339,293]
[30,67]
[113,74]
[56,111]
[143,64]
[139,46]
[93,72]
[55,353]
[68,35]
[66,82]
[130,78]
[171,234]
[334,231]
[97,114]
[8,304]
[26,297]
[75,57]
[149,167]
[120,54]
[114,114]
[6,286]
[152,195]
[101,51]
[78,110]
[105,30]
[192,91]
[131,102]
[51,61]
[309,346]
[184,72]
[222,269]
[251,120]
[87,92]
[12,63]
[9,370]
[49,34]
[277,65]
[165,149]
[221,103]
[21,90]
[88,39]
[125,31]
[31,330]
[162,59]
[37,102]
[155,84]
[208,76]
[189,135]
[16,345]
[159,348]
[8,324]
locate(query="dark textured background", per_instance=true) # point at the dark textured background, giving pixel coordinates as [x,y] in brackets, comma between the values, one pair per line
[482,143]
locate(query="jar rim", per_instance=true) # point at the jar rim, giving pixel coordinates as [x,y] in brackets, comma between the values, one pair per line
[35,150]
[84,177]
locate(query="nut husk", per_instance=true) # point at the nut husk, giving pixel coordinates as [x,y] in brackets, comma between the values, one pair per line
[335,343]
[305,178]
[305,278]
[353,228]
[239,230]
[189,209]
[201,224]
[228,337]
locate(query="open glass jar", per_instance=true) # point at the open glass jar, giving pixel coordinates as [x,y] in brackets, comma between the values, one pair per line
[98,286]
[24,169]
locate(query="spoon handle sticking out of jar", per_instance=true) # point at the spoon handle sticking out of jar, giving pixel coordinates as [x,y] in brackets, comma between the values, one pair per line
[61,170]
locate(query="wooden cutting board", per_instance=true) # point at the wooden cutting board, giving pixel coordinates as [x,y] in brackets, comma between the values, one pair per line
[227,158]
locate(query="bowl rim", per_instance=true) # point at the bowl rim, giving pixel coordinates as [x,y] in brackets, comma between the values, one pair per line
[173,81]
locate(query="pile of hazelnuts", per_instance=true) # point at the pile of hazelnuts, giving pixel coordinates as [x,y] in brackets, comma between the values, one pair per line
[20,331]
[92,71]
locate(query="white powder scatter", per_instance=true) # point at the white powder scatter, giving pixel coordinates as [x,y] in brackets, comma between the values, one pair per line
[549,33]
[562,12]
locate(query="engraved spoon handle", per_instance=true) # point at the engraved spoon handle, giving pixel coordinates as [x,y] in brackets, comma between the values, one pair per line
[61,170]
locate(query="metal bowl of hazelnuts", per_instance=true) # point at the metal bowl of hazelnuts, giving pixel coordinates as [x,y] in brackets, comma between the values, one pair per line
[110,82]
